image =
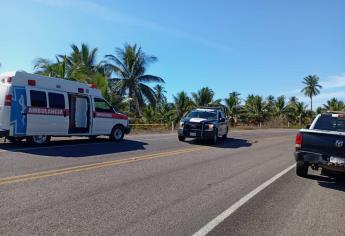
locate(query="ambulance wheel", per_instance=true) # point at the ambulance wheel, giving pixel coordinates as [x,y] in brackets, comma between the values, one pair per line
[38,140]
[117,133]
[15,140]
[93,137]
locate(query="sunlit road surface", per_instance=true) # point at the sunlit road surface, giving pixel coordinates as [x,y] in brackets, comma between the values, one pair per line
[155,185]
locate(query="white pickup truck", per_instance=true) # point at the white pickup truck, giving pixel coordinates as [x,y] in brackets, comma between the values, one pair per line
[322,145]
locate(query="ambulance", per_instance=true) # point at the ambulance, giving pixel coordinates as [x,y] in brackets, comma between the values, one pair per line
[35,108]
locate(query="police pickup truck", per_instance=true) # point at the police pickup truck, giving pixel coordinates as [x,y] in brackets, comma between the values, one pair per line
[322,145]
[204,123]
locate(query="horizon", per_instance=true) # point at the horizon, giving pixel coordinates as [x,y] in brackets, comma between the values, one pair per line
[289,40]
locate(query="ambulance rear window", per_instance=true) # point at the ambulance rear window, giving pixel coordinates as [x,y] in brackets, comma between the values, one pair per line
[56,100]
[38,98]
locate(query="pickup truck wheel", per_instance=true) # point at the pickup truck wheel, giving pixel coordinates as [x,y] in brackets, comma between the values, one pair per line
[302,169]
[181,138]
[117,134]
[215,137]
[225,136]
[38,140]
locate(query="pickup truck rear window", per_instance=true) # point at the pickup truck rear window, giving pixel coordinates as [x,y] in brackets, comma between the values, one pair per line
[330,123]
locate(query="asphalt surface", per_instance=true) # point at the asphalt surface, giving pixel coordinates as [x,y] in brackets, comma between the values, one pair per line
[155,185]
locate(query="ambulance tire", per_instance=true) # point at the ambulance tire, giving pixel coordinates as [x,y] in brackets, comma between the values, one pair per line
[39,140]
[15,140]
[117,133]
[93,137]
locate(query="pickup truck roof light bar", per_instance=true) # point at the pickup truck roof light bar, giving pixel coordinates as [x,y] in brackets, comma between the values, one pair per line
[210,108]
[335,112]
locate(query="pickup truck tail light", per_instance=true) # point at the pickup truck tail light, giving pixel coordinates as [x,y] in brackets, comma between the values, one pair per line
[298,141]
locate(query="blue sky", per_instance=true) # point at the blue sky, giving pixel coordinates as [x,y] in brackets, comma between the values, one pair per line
[261,47]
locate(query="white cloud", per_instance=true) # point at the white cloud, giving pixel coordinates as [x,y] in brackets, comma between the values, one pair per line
[102,12]
[328,95]
[292,92]
[335,81]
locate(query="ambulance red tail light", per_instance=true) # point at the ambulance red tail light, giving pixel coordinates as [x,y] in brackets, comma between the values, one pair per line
[8,99]
[9,79]
[31,82]
[298,141]
[92,86]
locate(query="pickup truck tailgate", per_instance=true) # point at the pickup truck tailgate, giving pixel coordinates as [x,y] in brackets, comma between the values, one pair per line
[326,143]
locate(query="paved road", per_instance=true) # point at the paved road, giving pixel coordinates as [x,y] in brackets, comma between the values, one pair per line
[155,185]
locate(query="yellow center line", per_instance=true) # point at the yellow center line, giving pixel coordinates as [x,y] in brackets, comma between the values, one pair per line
[63,171]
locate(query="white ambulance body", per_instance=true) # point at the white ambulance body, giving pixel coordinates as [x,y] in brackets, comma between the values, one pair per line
[35,107]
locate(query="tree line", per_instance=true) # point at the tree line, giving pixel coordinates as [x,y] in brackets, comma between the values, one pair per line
[123,80]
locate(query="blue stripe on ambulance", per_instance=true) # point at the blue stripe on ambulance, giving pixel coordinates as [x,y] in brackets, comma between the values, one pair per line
[18,120]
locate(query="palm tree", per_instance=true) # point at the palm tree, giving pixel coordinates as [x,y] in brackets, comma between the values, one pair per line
[312,87]
[203,97]
[120,103]
[149,115]
[165,113]
[256,109]
[334,105]
[182,104]
[293,100]
[160,95]
[233,106]
[129,65]
[290,110]
[80,65]
[280,106]
[57,69]
[82,62]
[320,110]
[301,111]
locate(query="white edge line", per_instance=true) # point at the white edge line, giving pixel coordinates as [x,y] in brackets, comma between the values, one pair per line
[225,214]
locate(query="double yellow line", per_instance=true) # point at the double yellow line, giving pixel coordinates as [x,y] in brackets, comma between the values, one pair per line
[64,171]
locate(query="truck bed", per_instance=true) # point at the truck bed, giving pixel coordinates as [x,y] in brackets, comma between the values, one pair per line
[326,143]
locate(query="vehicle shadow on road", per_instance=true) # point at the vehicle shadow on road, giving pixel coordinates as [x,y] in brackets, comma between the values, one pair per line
[78,148]
[331,183]
[231,143]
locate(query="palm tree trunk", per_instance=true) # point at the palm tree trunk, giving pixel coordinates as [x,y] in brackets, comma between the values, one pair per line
[300,121]
[137,108]
[311,103]
[132,101]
